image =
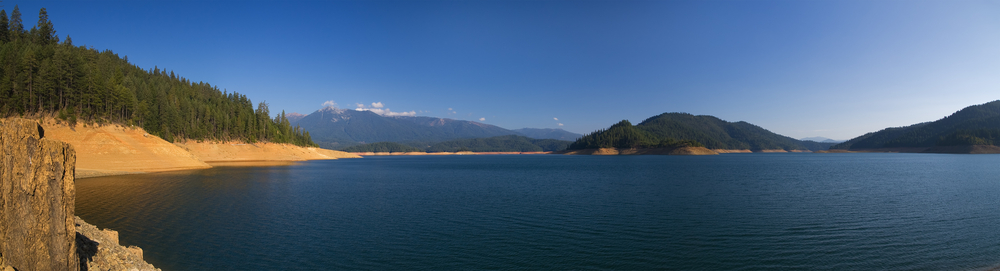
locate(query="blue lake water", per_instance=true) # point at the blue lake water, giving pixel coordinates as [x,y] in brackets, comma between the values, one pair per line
[544,212]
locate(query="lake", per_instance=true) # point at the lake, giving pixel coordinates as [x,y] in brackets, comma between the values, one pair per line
[877,211]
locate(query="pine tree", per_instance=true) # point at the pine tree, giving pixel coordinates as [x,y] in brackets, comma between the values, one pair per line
[4,25]
[16,27]
[46,34]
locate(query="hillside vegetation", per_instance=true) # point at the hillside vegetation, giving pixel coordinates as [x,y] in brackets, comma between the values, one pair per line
[41,75]
[682,129]
[973,125]
[715,133]
[624,135]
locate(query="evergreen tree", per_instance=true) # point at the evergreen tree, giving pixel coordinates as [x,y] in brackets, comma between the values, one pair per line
[16,27]
[4,25]
[45,33]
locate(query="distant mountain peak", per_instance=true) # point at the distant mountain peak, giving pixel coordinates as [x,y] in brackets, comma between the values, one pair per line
[293,117]
[331,109]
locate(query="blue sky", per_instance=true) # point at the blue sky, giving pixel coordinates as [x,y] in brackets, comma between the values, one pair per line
[836,69]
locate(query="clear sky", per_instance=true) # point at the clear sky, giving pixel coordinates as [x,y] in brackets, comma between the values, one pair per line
[836,69]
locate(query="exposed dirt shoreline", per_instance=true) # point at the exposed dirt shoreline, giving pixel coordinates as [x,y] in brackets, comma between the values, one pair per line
[113,149]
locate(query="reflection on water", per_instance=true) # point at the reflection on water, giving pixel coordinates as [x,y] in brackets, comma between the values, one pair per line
[726,212]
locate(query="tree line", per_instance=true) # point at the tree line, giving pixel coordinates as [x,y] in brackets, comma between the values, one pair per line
[42,75]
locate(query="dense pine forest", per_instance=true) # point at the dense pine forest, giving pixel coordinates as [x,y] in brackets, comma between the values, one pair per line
[43,76]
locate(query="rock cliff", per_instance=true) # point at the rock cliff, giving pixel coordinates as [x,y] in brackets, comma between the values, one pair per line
[38,229]
[36,199]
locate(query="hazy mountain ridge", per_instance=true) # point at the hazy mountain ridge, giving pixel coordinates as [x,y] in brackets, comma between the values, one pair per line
[338,128]
[973,125]
[506,143]
[548,133]
[382,147]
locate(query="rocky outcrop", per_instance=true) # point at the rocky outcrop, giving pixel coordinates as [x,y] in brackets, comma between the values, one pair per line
[100,250]
[37,231]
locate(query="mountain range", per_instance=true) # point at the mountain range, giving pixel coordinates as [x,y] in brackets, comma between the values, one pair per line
[973,125]
[337,128]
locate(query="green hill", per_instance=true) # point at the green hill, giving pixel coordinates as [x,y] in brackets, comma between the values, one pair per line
[41,75]
[670,129]
[624,135]
[973,125]
[715,133]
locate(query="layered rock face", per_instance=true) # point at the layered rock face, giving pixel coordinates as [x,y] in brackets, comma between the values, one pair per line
[37,230]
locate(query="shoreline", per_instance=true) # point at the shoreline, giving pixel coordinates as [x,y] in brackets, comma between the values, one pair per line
[114,149]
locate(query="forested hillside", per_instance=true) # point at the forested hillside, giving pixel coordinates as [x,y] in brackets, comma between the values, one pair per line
[719,134]
[624,135]
[973,125]
[43,75]
[677,129]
